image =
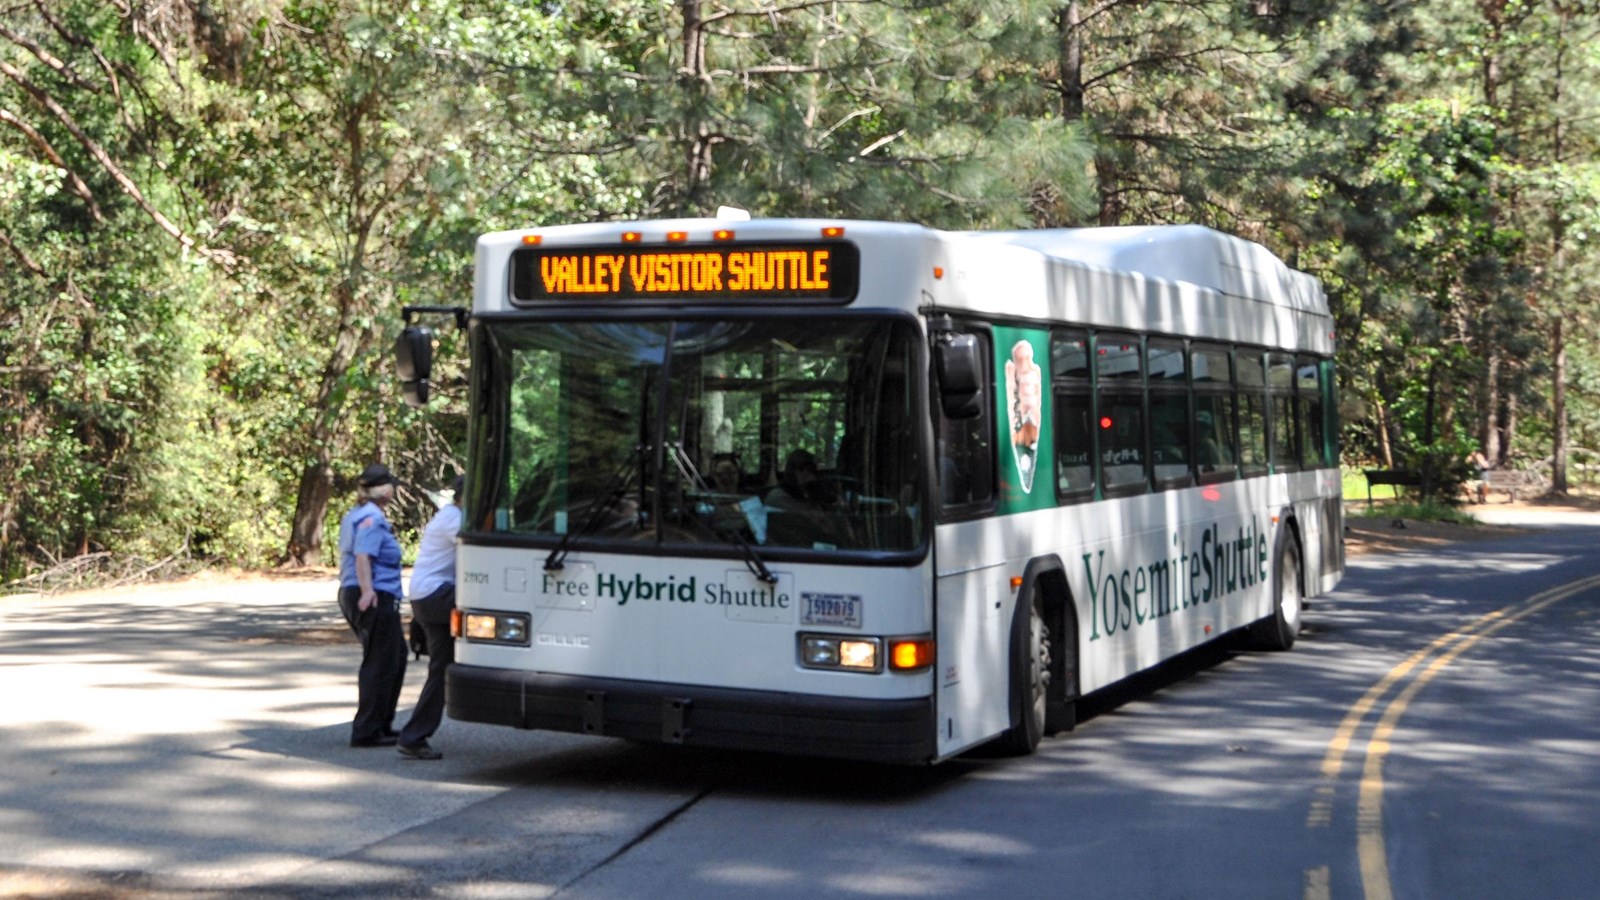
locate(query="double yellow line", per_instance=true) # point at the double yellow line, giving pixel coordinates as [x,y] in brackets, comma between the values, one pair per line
[1432,660]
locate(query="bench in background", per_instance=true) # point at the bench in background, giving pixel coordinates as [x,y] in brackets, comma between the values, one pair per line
[1510,481]
[1400,478]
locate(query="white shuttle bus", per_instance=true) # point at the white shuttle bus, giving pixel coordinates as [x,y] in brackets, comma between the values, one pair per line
[875,491]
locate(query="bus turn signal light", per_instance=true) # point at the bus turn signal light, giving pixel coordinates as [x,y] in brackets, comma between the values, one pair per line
[914,653]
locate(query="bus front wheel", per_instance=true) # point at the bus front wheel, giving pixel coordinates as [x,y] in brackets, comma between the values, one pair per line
[1279,630]
[1030,677]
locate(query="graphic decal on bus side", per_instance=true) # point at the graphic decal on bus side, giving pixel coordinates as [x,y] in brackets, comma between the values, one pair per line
[1120,599]
[1024,420]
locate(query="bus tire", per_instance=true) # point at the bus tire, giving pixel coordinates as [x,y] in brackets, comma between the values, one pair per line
[1279,630]
[1061,710]
[1030,677]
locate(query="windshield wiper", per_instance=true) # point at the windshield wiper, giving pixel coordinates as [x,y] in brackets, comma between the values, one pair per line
[691,474]
[613,492]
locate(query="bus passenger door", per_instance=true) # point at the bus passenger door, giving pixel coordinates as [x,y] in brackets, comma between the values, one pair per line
[968,567]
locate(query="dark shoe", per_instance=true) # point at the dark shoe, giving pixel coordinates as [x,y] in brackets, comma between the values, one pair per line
[382,740]
[419,751]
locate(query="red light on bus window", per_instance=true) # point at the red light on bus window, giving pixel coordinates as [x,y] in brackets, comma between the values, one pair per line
[532,240]
[722,234]
[1105,421]
[630,237]
[833,231]
[677,237]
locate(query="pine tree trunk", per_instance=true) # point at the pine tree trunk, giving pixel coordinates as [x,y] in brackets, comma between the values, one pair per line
[1511,427]
[1070,48]
[1385,451]
[697,133]
[1489,435]
[1558,404]
[1558,248]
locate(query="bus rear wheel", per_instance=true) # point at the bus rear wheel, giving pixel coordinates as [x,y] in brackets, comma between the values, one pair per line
[1279,630]
[1030,678]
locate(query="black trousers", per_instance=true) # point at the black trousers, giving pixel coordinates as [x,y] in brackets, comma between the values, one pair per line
[433,611]
[383,662]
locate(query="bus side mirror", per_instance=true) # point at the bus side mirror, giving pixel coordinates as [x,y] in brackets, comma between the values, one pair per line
[958,361]
[413,355]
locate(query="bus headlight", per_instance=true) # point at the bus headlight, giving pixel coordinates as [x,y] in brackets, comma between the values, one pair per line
[496,628]
[835,651]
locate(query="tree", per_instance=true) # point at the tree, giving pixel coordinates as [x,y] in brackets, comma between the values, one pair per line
[93,348]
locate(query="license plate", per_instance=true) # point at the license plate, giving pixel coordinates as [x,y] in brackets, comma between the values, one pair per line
[840,610]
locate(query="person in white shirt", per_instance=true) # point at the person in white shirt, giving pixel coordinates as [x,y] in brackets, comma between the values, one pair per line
[433,596]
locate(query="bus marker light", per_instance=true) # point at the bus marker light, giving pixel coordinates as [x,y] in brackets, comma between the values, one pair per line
[910,654]
[1105,421]
[1211,494]
[938,272]
[631,237]
[1016,582]
[532,240]
[833,231]
[455,622]
[677,237]
[722,234]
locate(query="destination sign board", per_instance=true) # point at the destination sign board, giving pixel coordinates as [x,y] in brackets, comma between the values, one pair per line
[826,271]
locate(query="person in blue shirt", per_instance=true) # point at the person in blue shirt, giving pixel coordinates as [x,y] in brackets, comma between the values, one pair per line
[433,596]
[369,597]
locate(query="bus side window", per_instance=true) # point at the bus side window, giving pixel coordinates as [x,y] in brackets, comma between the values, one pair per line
[1308,410]
[1215,446]
[1074,414]
[1169,412]
[1119,412]
[1252,385]
[966,450]
[1282,420]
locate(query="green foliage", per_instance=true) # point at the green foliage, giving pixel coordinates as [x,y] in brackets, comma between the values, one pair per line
[1430,511]
[211,214]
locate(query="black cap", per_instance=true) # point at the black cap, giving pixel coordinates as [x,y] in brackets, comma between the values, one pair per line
[374,475]
[457,486]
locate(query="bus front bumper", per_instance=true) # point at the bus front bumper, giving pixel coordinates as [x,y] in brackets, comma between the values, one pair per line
[897,731]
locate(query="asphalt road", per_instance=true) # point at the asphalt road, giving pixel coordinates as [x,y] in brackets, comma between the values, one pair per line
[1433,734]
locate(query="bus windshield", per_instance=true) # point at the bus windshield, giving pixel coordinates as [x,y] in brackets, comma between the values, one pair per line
[745,433]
